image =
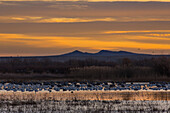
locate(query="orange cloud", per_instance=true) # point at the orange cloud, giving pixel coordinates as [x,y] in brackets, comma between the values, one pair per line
[139,31]
[70,20]
[160,35]
[78,42]
[39,19]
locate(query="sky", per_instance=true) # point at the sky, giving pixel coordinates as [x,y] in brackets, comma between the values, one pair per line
[52,27]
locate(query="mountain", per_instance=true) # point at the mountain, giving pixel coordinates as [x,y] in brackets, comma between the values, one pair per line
[77,53]
[114,53]
[104,55]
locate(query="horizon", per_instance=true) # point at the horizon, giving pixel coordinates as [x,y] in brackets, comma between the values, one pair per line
[81,52]
[48,27]
[84,56]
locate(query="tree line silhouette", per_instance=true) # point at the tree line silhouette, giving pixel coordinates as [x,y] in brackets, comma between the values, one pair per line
[145,69]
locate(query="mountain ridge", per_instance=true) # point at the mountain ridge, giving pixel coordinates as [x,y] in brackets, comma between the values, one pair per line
[101,53]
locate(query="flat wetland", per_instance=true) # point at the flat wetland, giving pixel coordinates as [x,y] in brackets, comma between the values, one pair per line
[84,101]
[86,97]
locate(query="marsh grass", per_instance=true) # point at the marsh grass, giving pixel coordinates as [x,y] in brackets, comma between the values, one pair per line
[85,101]
[84,95]
[85,106]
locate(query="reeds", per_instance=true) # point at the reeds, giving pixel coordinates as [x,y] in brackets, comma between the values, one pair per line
[85,106]
[85,95]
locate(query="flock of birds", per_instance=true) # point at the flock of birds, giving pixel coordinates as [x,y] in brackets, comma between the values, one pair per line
[81,86]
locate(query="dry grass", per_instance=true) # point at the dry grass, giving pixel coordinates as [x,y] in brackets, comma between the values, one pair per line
[85,106]
[85,101]
[85,95]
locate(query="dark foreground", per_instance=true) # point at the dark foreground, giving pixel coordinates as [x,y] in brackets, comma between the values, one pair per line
[84,106]
[125,69]
[84,101]
[80,97]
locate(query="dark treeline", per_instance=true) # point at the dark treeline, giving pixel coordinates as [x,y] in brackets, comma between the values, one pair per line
[154,68]
[47,65]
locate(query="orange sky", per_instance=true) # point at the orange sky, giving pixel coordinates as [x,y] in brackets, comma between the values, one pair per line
[56,27]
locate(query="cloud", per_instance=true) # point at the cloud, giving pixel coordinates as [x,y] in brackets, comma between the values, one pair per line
[8,3]
[73,20]
[36,19]
[136,31]
[71,6]
[136,10]
[34,25]
[17,18]
[49,42]
[29,19]
[160,35]
[153,33]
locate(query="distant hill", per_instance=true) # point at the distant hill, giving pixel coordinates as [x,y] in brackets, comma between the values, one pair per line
[105,55]
[115,53]
[77,53]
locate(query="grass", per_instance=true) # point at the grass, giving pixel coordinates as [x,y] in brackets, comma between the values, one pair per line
[85,95]
[85,101]
[87,106]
